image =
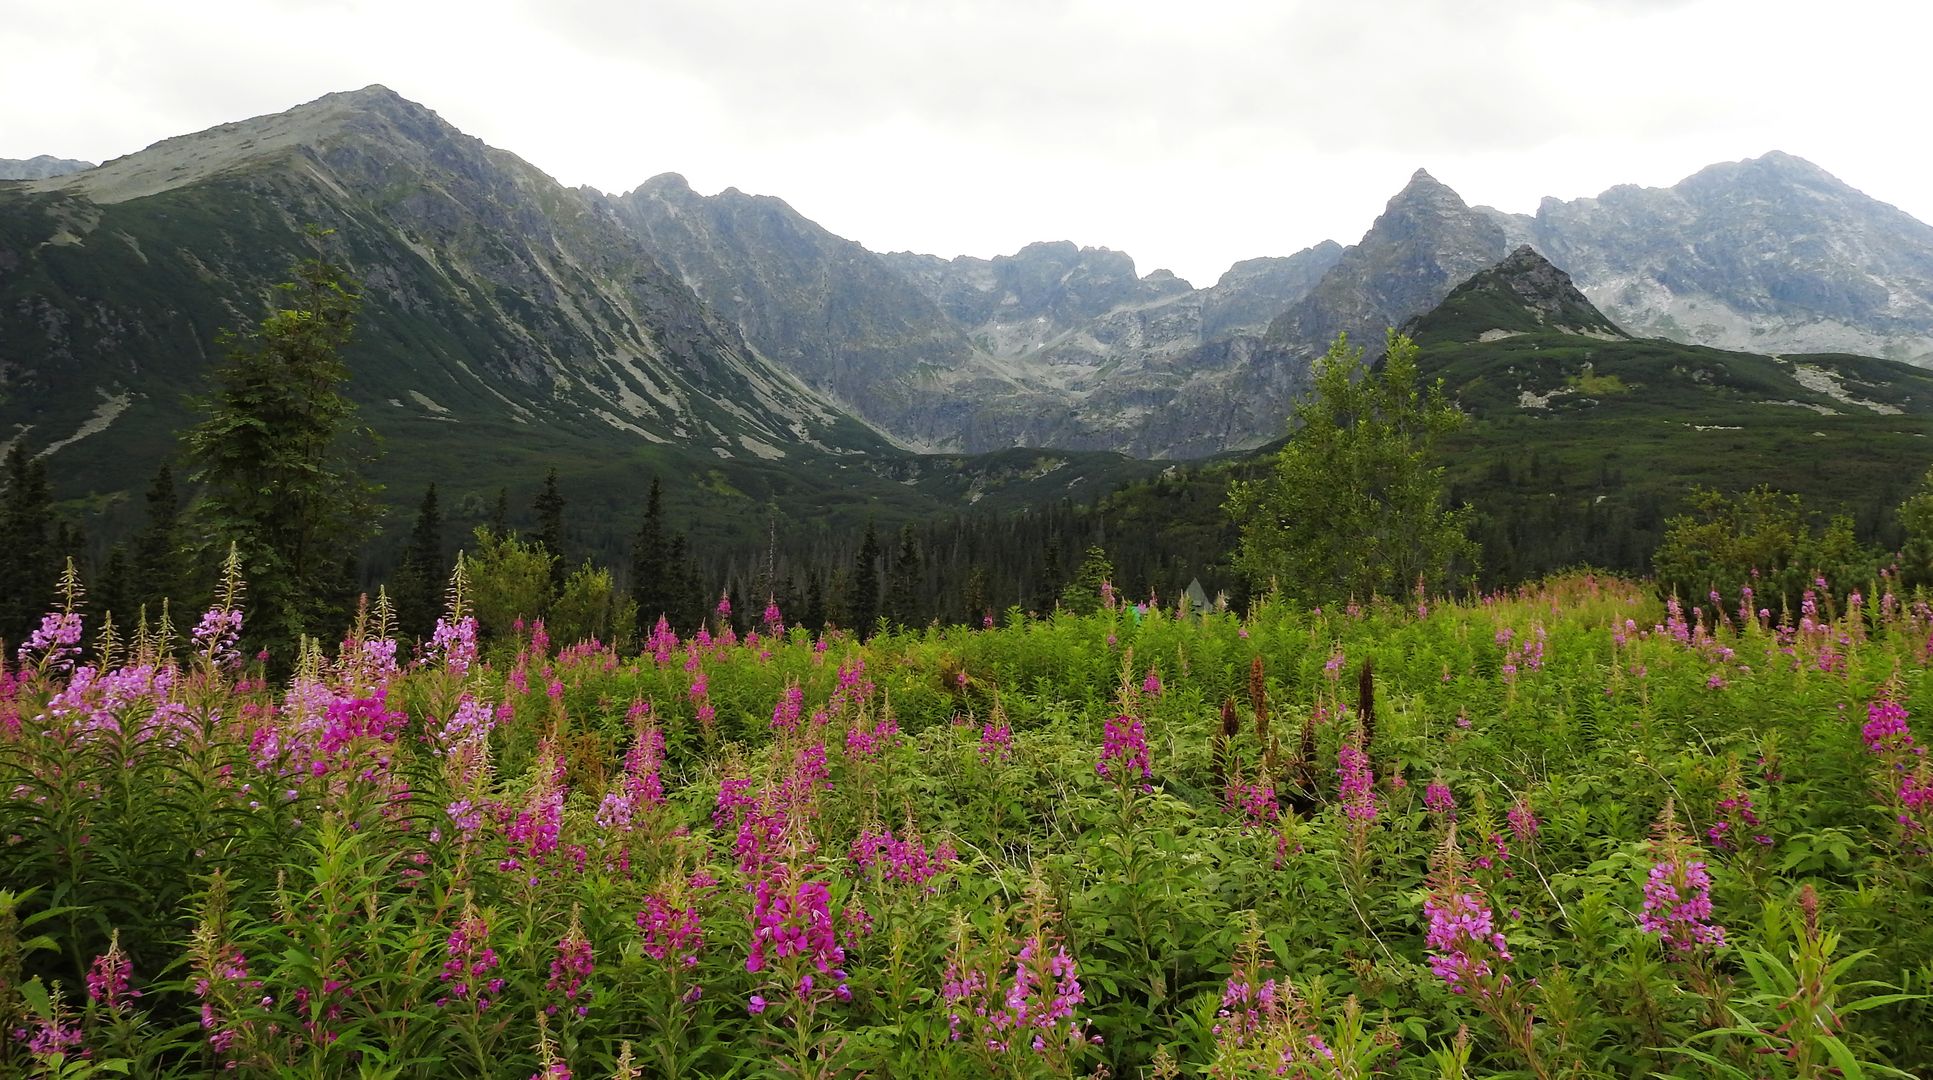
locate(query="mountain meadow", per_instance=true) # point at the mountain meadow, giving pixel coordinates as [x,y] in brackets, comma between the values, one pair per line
[456,624]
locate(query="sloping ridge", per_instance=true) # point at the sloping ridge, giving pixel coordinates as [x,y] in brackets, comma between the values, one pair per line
[1523,294]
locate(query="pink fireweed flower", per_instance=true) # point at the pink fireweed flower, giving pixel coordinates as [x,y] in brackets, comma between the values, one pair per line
[1356,782]
[900,861]
[1466,950]
[1033,1011]
[773,622]
[533,833]
[1332,669]
[1678,906]
[792,925]
[455,645]
[996,742]
[471,723]
[1438,799]
[107,977]
[671,931]
[866,742]
[785,715]
[1523,820]
[55,643]
[466,974]
[1885,730]
[1254,802]
[570,973]
[49,1037]
[1677,893]
[724,609]
[1247,1007]
[1151,685]
[1124,749]
[216,636]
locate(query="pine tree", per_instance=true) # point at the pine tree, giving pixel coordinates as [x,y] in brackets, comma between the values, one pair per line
[161,569]
[117,589]
[651,570]
[1050,577]
[549,507]
[29,561]
[813,618]
[278,451]
[903,588]
[1083,594]
[500,516]
[865,584]
[420,575]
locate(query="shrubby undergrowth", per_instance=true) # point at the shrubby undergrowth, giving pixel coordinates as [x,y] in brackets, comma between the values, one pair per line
[1562,832]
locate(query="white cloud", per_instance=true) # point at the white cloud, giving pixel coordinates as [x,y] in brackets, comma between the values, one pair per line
[1187,136]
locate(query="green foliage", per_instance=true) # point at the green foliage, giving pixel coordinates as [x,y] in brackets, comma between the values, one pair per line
[1916,520]
[419,577]
[863,602]
[29,558]
[1353,505]
[1759,539]
[1082,596]
[296,863]
[278,454]
[590,608]
[509,578]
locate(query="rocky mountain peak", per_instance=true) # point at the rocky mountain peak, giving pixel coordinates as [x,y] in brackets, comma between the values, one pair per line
[1523,294]
[1426,242]
[40,167]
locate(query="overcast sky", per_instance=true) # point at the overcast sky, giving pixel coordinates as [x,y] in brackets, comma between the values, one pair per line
[1189,135]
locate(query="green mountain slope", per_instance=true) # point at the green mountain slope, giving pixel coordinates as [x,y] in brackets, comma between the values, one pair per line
[1582,441]
[509,324]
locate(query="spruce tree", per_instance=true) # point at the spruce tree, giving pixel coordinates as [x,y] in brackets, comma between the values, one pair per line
[161,569]
[549,507]
[1083,595]
[903,588]
[420,575]
[500,516]
[651,571]
[278,452]
[865,584]
[28,559]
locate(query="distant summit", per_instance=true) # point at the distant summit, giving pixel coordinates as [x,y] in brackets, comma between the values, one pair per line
[42,167]
[1523,294]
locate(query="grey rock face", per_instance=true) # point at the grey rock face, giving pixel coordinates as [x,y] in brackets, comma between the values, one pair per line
[40,167]
[1771,254]
[492,293]
[1425,243]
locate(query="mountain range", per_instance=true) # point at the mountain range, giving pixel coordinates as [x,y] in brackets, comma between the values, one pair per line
[731,335]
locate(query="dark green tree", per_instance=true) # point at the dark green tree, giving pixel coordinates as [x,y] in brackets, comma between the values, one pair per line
[29,559]
[500,515]
[903,582]
[549,507]
[1051,575]
[423,570]
[652,579]
[279,452]
[1916,521]
[1082,596]
[1353,505]
[162,566]
[1761,539]
[117,589]
[864,602]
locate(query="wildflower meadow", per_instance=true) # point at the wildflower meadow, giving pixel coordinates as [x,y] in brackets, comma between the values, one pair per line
[1568,831]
